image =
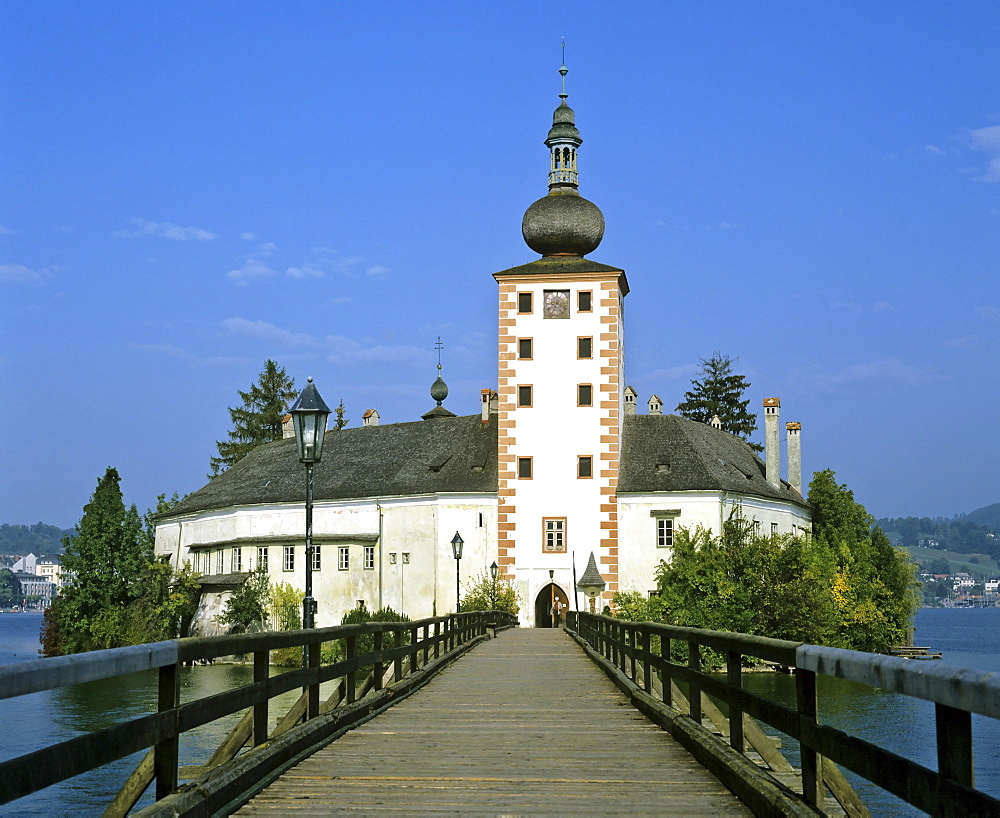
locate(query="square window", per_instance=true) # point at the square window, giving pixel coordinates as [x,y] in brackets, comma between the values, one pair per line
[556,304]
[665,532]
[524,349]
[774,529]
[524,302]
[369,557]
[584,301]
[584,395]
[288,558]
[585,347]
[524,468]
[585,466]
[392,558]
[262,557]
[237,560]
[317,558]
[406,558]
[343,558]
[524,396]
[554,529]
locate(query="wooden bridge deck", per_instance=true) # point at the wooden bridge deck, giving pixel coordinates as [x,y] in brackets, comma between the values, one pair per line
[522,724]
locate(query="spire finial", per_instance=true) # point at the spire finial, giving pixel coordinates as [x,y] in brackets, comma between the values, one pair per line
[563,70]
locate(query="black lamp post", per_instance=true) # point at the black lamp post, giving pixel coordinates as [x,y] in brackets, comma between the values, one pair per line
[309,414]
[456,548]
[494,571]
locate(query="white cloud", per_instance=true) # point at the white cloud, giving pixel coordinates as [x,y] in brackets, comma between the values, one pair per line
[348,351]
[264,331]
[267,248]
[881,373]
[6,231]
[336,302]
[252,268]
[20,274]
[990,313]
[305,271]
[166,230]
[987,140]
[961,343]
[248,236]
[934,150]
[377,270]
[183,355]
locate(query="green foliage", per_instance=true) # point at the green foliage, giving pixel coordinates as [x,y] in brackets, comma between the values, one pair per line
[247,606]
[485,594]
[964,535]
[286,613]
[638,607]
[340,421]
[258,420]
[31,539]
[359,615]
[10,588]
[720,393]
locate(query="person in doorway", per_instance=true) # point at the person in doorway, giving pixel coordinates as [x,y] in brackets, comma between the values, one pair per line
[556,611]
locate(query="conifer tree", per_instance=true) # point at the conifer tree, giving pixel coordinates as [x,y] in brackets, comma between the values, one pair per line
[258,420]
[340,421]
[720,393]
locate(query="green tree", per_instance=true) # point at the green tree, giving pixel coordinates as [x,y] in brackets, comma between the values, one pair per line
[875,589]
[10,588]
[106,559]
[258,420]
[719,393]
[482,592]
[285,608]
[247,606]
[340,421]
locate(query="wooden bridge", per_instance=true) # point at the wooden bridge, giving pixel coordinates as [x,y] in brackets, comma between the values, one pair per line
[525,723]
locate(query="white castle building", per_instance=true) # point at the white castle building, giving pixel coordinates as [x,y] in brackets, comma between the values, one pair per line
[558,464]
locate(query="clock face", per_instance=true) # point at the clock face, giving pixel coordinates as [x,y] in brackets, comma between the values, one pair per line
[556,304]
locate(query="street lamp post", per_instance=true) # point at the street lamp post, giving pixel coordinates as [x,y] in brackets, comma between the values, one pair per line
[456,548]
[494,571]
[309,415]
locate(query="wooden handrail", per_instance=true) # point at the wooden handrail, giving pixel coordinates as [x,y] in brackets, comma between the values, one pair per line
[956,693]
[29,773]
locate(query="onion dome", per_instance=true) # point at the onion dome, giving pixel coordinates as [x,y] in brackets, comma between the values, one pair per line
[439,391]
[563,222]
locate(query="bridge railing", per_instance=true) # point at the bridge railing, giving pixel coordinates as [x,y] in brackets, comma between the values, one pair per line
[631,648]
[413,645]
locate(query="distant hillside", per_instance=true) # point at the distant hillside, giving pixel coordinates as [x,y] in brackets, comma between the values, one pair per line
[988,516]
[35,539]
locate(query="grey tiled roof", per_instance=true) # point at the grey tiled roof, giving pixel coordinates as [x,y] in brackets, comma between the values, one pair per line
[457,454]
[671,453]
[563,264]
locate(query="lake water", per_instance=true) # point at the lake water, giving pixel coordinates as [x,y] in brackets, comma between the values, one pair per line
[967,637]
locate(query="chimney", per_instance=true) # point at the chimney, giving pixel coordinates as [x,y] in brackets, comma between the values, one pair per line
[490,404]
[715,422]
[630,396]
[794,445]
[287,427]
[772,443]
[655,405]
[370,418]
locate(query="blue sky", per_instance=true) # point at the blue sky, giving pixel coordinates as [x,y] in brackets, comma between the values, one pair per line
[188,189]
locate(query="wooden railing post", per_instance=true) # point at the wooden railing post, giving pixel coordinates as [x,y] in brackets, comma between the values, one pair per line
[647,679]
[437,639]
[666,677]
[812,775]
[954,744]
[734,677]
[166,752]
[261,671]
[632,644]
[351,651]
[694,688]
[378,668]
[312,704]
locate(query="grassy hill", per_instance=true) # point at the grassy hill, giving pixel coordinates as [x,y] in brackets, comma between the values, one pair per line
[958,562]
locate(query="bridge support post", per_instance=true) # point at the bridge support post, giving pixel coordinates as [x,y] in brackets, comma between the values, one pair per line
[312,705]
[261,670]
[734,677]
[351,651]
[812,769]
[667,678]
[694,689]
[954,744]
[166,752]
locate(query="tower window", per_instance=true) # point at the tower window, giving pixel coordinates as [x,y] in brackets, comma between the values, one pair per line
[584,301]
[556,304]
[524,349]
[585,466]
[524,468]
[584,394]
[585,347]
[524,302]
[554,532]
[524,395]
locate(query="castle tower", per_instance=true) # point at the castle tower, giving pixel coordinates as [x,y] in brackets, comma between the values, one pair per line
[560,376]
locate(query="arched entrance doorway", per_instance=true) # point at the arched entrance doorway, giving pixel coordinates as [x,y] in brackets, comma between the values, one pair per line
[543,605]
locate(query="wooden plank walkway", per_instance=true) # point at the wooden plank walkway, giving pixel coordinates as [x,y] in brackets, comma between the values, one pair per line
[522,724]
